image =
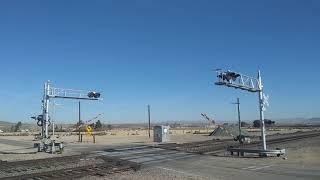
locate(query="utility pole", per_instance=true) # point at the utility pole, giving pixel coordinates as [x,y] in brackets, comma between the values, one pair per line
[238,103]
[79,121]
[149,118]
[239,119]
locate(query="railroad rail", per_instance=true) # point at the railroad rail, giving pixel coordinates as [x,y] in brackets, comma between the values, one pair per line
[213,147]
[287,138]
[53,161]
[68,167]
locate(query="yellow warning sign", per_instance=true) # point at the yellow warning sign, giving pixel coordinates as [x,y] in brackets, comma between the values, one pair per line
[89,130]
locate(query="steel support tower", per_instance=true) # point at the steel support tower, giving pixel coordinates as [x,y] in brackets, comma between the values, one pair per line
[53,92]
[239,81]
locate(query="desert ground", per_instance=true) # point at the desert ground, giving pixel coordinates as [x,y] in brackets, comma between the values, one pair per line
[301,160]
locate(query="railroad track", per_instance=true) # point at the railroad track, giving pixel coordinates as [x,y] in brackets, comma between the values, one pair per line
[293,137]
[200,147]
[57,161]
[214,147]
[68,167]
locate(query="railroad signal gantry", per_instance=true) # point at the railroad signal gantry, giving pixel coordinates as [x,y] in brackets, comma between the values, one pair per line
[53,92]
[240,81]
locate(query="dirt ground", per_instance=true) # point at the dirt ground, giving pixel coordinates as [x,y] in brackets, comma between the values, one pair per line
[148,174]
[302,153]
[14,151]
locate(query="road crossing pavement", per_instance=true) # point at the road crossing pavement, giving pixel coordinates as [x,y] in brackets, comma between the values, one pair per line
[206,166]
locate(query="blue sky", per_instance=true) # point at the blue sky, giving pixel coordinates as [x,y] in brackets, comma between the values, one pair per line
[160,53]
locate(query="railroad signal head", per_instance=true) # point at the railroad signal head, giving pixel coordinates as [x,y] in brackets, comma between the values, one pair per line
[37,118]
[93,94]
[228,76]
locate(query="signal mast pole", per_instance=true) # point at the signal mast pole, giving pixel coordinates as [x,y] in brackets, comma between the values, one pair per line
[45,121]
[261,108]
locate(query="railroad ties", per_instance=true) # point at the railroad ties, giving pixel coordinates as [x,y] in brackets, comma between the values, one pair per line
[67,167]
[214,147]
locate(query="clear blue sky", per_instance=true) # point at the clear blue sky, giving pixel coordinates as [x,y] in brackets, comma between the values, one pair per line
[160,53]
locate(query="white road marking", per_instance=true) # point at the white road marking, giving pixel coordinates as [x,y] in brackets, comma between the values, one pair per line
[250,167]
[181,172]
[254,168]
[169,159]
[263,167]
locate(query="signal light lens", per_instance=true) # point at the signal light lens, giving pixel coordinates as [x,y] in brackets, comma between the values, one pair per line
[94,95]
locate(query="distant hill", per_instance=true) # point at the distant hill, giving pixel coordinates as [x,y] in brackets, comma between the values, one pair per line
[314,120]
[5,123]
[6,126]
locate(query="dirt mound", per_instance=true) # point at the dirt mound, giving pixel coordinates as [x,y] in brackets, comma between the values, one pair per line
[228,130]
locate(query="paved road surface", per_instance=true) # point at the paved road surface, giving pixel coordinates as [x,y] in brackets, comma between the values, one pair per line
[211,167]
[16,143]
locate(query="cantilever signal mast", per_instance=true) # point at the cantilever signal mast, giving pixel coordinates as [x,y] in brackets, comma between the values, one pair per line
[251,84]
[53,92]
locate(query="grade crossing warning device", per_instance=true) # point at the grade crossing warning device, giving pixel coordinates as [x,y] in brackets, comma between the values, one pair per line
[251,84]
[43,120]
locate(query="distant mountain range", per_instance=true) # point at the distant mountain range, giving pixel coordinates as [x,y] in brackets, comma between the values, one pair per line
[310,121]
[4,123]
[6,126]
[306,121]
[314,120]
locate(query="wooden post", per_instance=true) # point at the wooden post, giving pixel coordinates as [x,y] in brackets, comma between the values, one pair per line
[149,122]
[79,122]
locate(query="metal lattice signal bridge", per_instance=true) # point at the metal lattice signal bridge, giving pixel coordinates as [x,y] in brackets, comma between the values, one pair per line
[43,120]
[237,80]
[73,94]
[52,92]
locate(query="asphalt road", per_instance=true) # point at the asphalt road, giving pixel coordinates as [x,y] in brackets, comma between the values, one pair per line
[211,167]
[17,143]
